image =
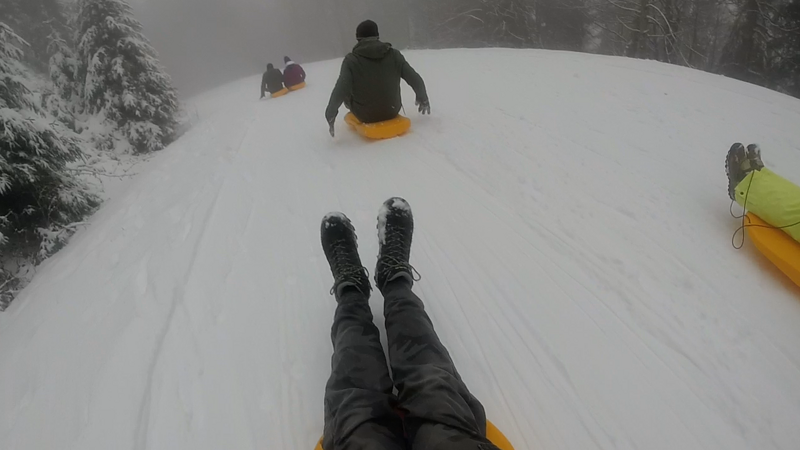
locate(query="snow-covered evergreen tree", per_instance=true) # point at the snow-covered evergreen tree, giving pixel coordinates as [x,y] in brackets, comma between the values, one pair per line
[39,196]
[63,101]
[121,77]
[35,21]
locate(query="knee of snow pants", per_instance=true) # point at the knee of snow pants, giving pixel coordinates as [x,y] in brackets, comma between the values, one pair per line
[359,403]
[438,405]
[773,198]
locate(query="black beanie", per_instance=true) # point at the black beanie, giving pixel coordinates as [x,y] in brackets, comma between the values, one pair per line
[367,29]
[270,66]
[286,59]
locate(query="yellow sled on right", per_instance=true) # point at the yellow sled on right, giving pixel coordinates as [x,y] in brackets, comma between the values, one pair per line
[776,245]
[379,130]
[771,199]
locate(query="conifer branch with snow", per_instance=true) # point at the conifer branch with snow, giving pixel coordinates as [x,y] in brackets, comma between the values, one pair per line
[38,195]
[120,76]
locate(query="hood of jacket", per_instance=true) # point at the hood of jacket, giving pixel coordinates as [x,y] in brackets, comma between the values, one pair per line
[372,48]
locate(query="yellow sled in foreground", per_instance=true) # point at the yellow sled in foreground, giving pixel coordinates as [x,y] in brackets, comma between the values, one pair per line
[297,87]
[380,130]
[496,436]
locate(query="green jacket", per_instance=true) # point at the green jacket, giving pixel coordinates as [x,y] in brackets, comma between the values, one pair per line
[369,82]
[773,198]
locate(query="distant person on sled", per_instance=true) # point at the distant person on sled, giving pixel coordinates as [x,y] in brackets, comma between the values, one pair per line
[271,81]
[432,408]
[369,82]
[761,191]
[293,75]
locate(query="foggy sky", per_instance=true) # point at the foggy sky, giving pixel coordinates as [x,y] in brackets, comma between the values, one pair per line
[205,43]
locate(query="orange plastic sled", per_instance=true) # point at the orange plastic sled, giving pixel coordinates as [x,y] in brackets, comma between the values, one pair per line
[777,246]
[380,130]
[496,436]
[280,93]
[296,87]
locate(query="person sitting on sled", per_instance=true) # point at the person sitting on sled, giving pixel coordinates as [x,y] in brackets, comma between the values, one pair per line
[369,81]
[271,81]
[761,191]
[433,408]
[293,73]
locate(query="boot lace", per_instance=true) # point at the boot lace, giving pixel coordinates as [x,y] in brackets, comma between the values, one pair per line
[346,271]
[394,256]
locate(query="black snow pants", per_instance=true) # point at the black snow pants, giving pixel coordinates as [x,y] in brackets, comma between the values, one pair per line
[433,409]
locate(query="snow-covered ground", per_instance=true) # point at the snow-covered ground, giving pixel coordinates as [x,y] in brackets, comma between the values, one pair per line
[572,232]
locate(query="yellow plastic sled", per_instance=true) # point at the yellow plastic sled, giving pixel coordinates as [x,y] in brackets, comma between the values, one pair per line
[297,87]
[280,93]
[380,130]
[496,436]
[776,245]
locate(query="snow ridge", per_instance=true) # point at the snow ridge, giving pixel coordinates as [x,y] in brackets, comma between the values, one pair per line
[572,229]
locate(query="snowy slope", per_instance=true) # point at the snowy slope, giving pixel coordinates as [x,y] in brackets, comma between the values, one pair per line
[572,232]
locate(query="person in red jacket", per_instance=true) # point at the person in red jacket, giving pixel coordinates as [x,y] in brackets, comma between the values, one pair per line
[293,74]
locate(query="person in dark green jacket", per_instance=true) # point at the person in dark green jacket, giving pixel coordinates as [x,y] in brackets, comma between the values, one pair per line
[369,82]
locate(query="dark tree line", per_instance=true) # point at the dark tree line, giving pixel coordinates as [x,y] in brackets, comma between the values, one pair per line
[753,40]
[764,47]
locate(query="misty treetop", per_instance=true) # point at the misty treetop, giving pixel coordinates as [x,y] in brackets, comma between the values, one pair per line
[764,46]
[555,24]
[121,77]
[36,22]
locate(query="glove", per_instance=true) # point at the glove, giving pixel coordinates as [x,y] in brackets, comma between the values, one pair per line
[332,129]
[424,106]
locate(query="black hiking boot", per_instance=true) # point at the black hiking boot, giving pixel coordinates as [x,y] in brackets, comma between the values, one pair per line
[754,156]
[395,230]
[739,163]
[736,165]
[340,244]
